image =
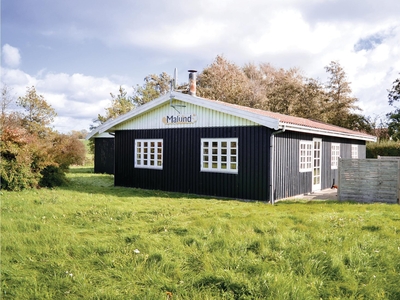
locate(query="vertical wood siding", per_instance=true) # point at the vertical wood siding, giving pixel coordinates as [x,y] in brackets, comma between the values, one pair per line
[181,163]
[104,155]
[289,181]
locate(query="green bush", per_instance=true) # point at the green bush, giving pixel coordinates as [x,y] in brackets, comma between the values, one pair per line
[386,148]
[52,176]
[16,176]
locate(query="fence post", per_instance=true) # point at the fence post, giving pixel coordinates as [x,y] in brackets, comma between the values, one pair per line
[339,184]
[398,181]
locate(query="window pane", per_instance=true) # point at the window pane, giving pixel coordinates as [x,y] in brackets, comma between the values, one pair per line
[149,153]
[220,156]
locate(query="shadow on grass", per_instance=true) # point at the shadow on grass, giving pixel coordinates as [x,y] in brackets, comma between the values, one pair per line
[84,180]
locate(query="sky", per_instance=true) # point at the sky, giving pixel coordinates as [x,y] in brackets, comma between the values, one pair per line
[77,52]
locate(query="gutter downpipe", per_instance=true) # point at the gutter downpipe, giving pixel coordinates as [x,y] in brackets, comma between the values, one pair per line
[272,162]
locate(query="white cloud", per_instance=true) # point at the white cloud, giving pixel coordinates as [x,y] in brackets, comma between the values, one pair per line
[307,34]
[11,56]
[76,98]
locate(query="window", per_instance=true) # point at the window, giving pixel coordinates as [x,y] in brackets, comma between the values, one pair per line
[335,154]
[219,155]
[149,154]
[354,151]
[306,156]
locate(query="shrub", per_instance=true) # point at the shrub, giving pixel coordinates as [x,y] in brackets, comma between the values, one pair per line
[29,158]
[386,148]
[52,176]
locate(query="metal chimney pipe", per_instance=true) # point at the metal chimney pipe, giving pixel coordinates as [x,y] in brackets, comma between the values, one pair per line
[192,82]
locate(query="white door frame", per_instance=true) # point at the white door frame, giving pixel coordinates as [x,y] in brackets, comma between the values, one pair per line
[317,162]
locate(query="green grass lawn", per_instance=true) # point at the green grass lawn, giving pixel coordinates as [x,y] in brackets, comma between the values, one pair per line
[90,240]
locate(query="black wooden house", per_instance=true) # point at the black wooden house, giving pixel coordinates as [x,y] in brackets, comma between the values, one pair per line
[189,144]
[103,153]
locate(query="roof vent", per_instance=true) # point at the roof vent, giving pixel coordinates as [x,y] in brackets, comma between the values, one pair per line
[192,82]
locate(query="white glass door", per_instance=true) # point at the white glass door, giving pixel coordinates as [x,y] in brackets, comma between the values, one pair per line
[316,180]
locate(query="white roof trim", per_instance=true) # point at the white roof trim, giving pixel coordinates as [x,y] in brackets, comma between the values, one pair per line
[260,119]
[305,129]
[214,105]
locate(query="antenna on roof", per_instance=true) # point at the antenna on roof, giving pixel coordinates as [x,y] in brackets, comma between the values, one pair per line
[174,85]
[175,78]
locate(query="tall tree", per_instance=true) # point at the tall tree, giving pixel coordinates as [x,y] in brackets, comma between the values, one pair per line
[394,93]
[120,104]
[224,81]
[340,103]
[394,116]
[154,86]
[38,113]
[31,153]
[311,101]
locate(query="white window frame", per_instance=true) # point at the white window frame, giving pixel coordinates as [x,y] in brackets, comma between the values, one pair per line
[305,156]
[149,154]
[335,154]
[219,155]
[354,151]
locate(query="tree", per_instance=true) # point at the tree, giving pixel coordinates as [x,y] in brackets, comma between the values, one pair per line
[154,86]
[224,81]
[394,93]
[394,116]
[38,113]
[67,150]
[340,103]
[6,99]
[31,153]
[120,104]
[311,101]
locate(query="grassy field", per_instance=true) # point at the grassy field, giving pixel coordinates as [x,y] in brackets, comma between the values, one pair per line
[90,240]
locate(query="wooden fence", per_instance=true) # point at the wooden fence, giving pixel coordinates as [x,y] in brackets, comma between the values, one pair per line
[369,180]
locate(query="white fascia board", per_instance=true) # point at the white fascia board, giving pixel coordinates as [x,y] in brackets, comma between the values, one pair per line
[214,105]
[299,128]
[133,113]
